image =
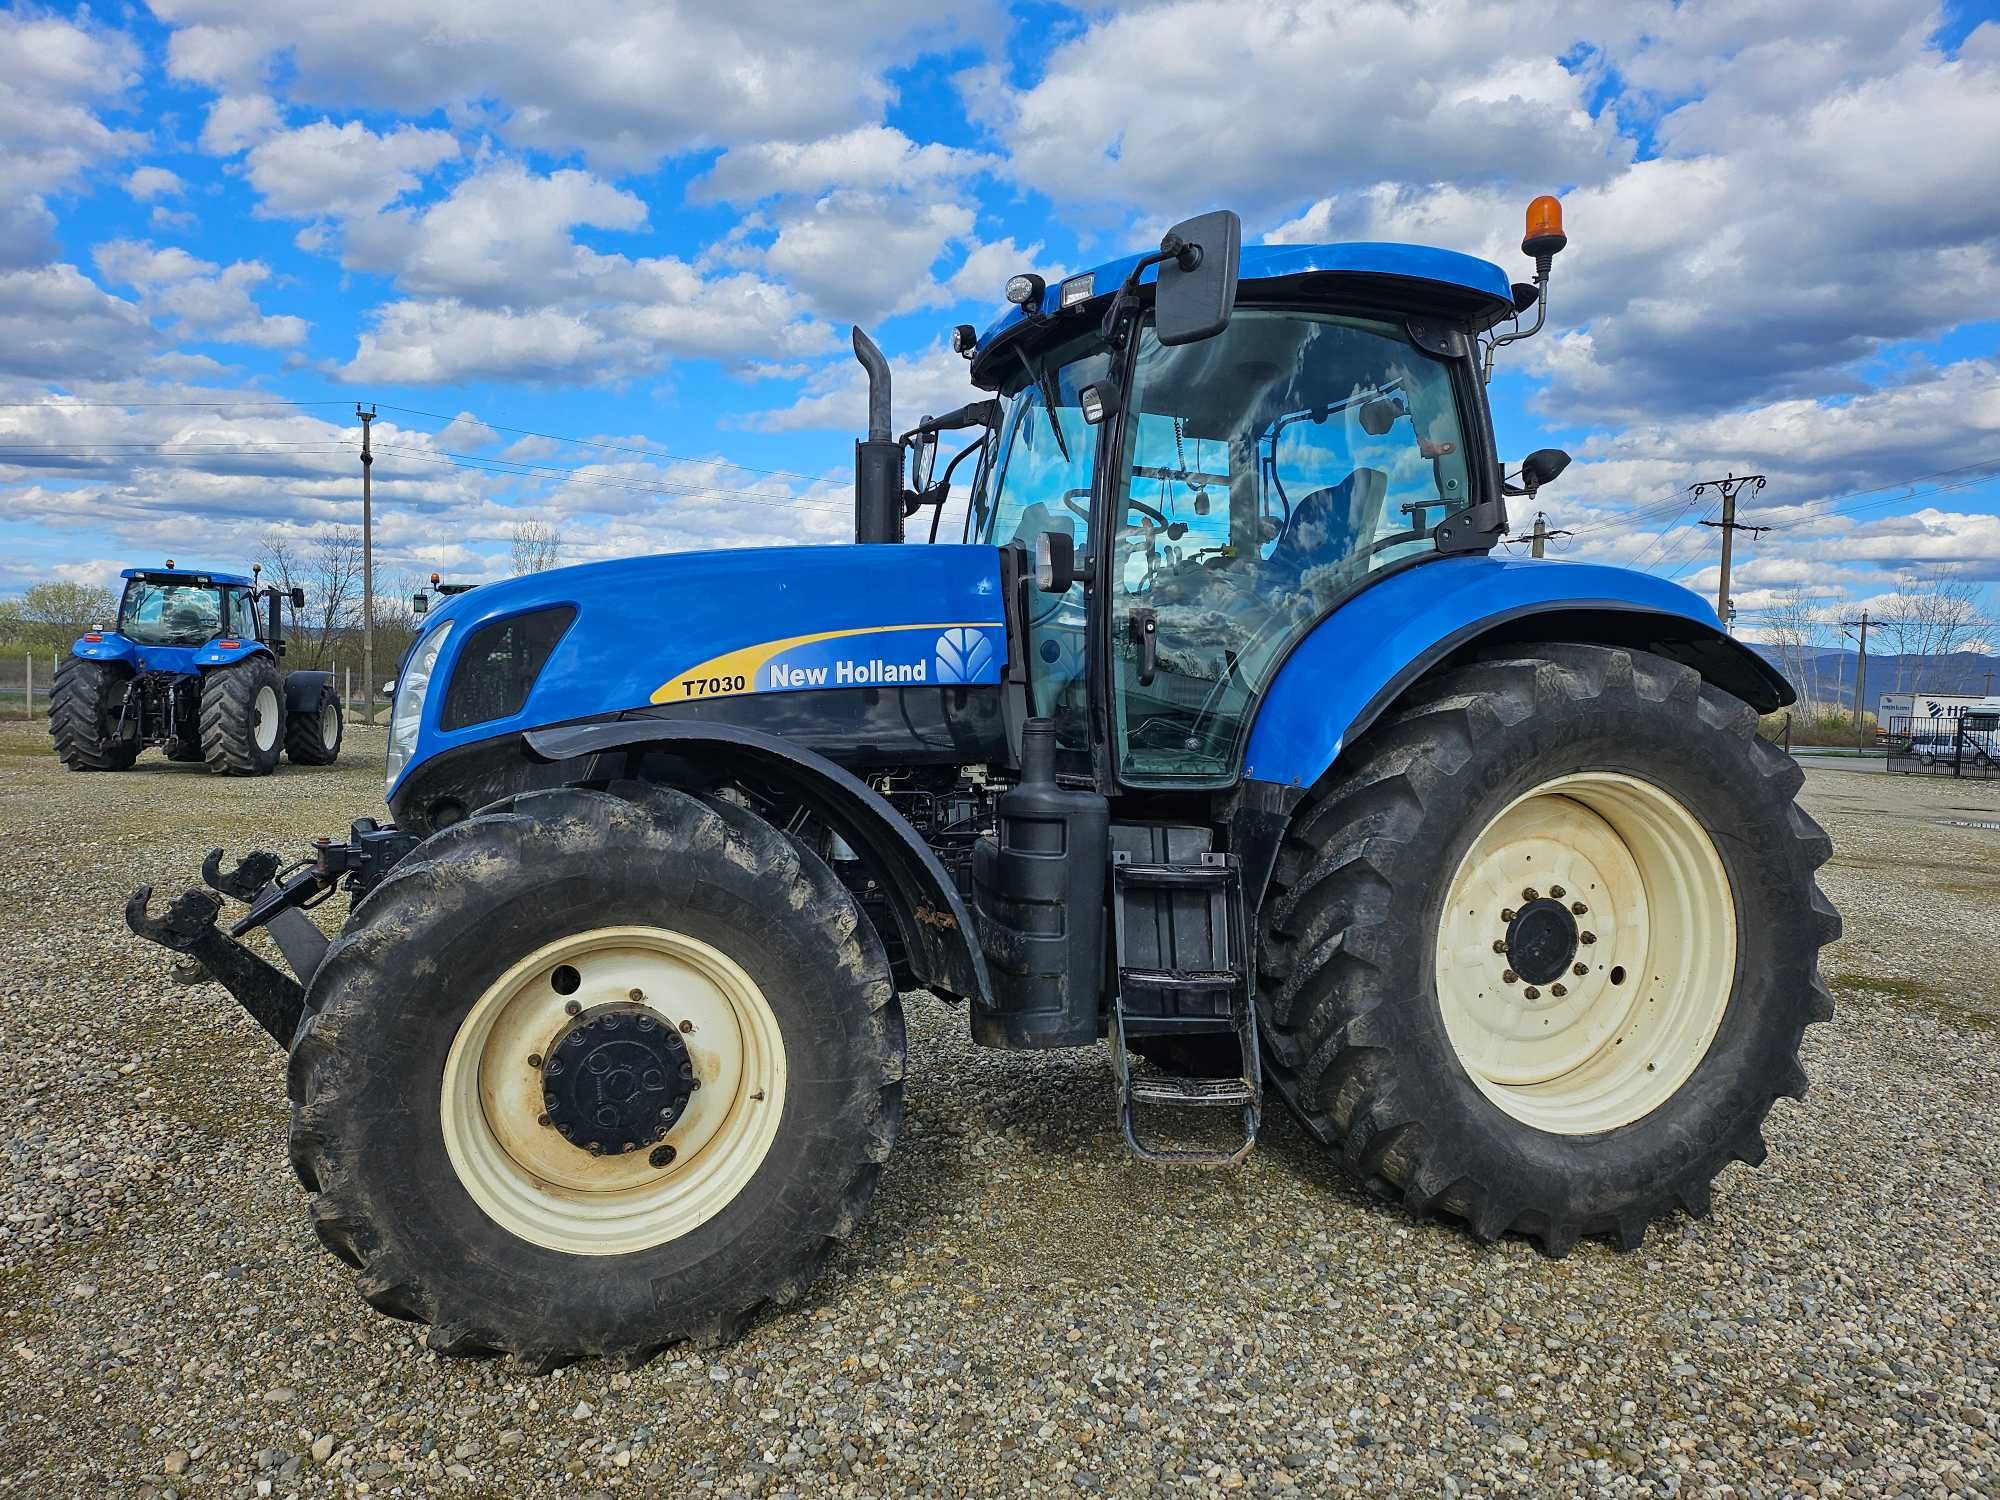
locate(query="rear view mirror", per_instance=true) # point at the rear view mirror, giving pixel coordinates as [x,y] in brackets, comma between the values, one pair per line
[1542,466]
[923,458]
[420,603]
[298,597]
[1055,562]
[1197,290]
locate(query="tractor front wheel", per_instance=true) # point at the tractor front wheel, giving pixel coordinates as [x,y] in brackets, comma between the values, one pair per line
[1541,952]
[594,1072]
[312,735]
[83,716]
[243,717]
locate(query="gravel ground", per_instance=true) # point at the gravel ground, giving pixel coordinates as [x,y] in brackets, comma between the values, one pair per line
[1033,1311]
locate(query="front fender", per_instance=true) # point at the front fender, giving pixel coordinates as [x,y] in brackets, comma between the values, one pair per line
[936,928]
[1357,661]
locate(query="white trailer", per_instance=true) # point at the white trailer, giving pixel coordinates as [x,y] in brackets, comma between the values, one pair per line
[1898,711]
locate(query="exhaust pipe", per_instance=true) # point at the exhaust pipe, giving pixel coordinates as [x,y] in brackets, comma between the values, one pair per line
[878,458]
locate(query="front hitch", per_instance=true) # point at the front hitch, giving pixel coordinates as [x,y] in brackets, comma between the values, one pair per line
[278,896]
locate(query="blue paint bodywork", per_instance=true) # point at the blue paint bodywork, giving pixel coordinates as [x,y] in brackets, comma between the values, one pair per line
[645,626]
[1382,637]
[1465,273]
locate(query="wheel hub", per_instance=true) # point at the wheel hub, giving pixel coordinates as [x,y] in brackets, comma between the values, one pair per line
[1542,941]
[617,1077]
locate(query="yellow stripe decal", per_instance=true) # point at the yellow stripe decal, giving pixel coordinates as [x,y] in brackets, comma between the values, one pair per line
[735,673]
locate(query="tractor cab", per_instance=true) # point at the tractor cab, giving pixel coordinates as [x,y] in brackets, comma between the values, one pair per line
[185,609]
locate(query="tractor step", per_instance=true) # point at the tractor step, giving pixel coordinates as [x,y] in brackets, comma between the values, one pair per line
[1181,941]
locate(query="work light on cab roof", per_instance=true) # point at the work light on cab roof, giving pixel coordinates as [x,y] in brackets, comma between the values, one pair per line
[1219,736]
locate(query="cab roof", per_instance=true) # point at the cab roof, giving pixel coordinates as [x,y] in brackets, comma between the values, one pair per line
[191,575]
[1465,279]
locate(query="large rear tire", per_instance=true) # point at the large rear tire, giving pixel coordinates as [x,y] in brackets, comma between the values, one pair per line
[627,934]
[1540,953]
[83,716]
[243,717]
[312,736]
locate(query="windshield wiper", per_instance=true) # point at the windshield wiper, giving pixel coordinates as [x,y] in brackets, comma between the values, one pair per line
[1045,383]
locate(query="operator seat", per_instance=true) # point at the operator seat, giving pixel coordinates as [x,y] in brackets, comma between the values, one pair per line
[1326,524]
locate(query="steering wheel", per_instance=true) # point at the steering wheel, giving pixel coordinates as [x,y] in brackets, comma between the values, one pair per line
[1081,512]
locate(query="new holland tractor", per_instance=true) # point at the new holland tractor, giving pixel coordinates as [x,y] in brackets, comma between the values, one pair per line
[192,666]
[1222,739]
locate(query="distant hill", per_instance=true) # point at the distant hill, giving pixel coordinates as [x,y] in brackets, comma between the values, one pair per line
[1958,672]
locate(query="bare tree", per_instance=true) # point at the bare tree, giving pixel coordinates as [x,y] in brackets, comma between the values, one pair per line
[537,546]
[1933,613]
[1791,630]
[327,565]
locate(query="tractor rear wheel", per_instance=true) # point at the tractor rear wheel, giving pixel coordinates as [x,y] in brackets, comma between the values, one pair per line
[83,716]
[243,717]
[596,1071]
[312,735]
[1541,951]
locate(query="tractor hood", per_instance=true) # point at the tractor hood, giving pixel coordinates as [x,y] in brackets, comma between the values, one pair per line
[602,639]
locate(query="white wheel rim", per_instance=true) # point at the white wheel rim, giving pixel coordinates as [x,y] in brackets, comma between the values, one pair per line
[1582,1053]
[536,1185]
[329,726]
[266,727]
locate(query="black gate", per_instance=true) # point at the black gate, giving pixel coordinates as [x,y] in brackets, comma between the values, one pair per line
[1956,745]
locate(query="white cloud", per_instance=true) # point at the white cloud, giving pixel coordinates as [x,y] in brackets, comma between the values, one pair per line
[861,257]
[836,395]
[202,299]
[877,157]
[324,169]
[56,324]
[238,120]
[148,183]
[625,85]
[59,78]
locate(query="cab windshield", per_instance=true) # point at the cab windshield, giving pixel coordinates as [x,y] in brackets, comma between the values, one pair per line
[170,614]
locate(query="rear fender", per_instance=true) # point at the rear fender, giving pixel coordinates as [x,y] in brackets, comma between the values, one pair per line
[111,648]
[303,690]
[936,928]
[215,654]
[1345,672]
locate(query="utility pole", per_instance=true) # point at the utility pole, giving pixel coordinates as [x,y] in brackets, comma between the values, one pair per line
[1727,488]
[367,564]
[1861,670]
[1538,540]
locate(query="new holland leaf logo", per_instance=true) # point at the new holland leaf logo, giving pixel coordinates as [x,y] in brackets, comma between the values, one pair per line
[962,655]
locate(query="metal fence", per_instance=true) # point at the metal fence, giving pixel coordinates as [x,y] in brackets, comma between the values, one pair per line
[1963,745]
[25,677]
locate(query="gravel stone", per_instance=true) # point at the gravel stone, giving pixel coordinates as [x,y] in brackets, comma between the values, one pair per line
[1032,1312]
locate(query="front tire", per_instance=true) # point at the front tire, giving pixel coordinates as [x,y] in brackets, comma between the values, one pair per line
[1424,1009]
[460,1177]
[243,717]
[83,716]
[312,735]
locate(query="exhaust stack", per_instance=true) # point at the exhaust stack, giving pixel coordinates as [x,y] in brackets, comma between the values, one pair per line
[878,458]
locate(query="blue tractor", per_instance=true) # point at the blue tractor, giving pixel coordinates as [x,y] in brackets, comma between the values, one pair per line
[1221,739]
[192,666]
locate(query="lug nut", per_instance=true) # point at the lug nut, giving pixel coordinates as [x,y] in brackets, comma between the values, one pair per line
[635,996]
[1530,894]
[1558,990]
[1577,908]
[1532,993]
[1509,976]
[1557,892]
[534,1059]
[597,1148]
[1506,913]
[1586,937]
[1499,945]
[543,1120]
[1579,970]
[686,1027]
[572,1009]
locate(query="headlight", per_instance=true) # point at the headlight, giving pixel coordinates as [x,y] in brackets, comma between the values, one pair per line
[408,710]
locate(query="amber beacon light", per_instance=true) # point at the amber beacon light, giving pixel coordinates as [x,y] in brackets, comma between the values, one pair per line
[1545,228]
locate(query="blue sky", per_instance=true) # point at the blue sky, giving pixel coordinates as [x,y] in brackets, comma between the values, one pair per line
[650,227]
